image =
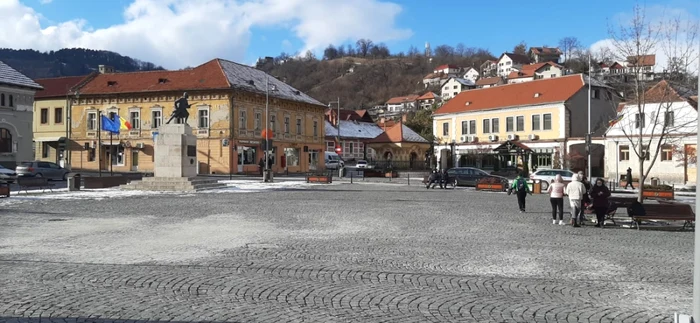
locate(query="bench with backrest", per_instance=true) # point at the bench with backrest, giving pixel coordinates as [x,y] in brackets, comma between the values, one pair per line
[666,212]
[25,183]
[616,203]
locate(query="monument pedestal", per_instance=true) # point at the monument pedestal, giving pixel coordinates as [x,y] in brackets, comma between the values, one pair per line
[175,164]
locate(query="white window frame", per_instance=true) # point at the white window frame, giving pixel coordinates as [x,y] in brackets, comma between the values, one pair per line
[154,124]
[258,120]
[243,119]
[550,121]
[199,117]
[95,123]
[498,121]
[135,125]
[486,122]
[539,122]
[287,124]
[514,127]
[300,126]
[516,123]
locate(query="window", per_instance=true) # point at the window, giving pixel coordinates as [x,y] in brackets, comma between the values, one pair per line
[135,119]
[536,122]
[553,75]
[44,116]
[286,125]
[646,152]
[298,126]
[624,152]
[445,129]
[668,119]
[292,155]
[58,115]
[246,156]
[315,128]
[465,127]
[2,99]
[495,125]
[242,120]
[12,101]
[203,118]
[520,123]
[666,153]
[92,120]
[486,125]
[5,141]
[595,94]
[547,121]
[90,152]
[273,125]
[639,121]
[258,121]
[472,127]
[116,155]
[454,87]
[509,124]
[44,150]
[156,118]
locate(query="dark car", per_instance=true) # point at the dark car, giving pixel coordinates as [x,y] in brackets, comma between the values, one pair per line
[469,176]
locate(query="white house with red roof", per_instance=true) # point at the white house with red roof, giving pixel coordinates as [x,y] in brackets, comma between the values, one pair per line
[402,104]
[448,69]
[535,71]
[471,73]
[509,62]
[488,68]
[455,86]
[427,100]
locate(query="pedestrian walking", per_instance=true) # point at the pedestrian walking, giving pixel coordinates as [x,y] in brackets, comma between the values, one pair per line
[522,190]
[599,194]
[629,178]
[556,198]
[575,190]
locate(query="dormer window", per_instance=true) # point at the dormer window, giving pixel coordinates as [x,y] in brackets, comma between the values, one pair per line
[111,83]
[162,81]
[468,103]
[251,82]
[537,95]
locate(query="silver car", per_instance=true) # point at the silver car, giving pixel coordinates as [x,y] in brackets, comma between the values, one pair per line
[41,169]
[7,175]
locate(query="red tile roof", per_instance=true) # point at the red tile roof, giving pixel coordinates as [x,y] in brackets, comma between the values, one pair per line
[58,87]
[203,77]
[558,89]
[428,96]
[546,50]
[488,80]
[642,60]
[616,66]
[521,74]
[444,66]
[403,99]
[530,69]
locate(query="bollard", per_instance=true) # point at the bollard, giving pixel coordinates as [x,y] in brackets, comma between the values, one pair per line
[351,175]
[408,177]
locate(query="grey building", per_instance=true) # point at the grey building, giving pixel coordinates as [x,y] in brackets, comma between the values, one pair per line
[16,102]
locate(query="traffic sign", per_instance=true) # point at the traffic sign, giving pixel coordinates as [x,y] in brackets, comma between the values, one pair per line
[338,149]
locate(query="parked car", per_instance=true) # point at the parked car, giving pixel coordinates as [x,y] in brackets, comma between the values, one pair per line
[469,176]
[41,169]
[7,175]
[362,164]
[333,160]
[547,175]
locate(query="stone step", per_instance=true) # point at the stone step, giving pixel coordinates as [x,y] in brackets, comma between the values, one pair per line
[185,186]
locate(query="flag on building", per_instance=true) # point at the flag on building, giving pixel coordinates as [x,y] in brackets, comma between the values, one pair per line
[109,124]
[123,124]
[614,121]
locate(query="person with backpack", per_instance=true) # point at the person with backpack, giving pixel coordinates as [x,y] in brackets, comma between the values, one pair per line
[556,198]
[575,190]
[521,189]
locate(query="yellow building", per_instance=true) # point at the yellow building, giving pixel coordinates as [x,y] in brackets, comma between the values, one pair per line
[539,120]
[217,90]
[50,121]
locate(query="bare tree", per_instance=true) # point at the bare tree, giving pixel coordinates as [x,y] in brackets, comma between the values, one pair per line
[364,46]
[520,48]
[654,117]
[568,45]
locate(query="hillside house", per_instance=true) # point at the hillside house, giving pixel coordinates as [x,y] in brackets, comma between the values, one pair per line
[455,86]
[488,68]
[435,79]
[544,54]
[509,62]
[427,100]
[402,104]
[535,71]
[486,82]
[450,70]
[471,74]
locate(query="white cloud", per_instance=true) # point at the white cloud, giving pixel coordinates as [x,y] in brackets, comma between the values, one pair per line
[45,1]
[178,33]
[657,16]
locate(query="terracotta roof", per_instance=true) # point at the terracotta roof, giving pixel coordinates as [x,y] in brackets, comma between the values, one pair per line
[434,75]
[642,60]
[521,74]
[11,76]
[603,64]
[530,69]
[489,80]
[428,96]
[558,89]
[402,99]
[665,91]
[350,115]
[58,86]
[398,133]
[546,50]
[516,58]
[444,66]
[616,66]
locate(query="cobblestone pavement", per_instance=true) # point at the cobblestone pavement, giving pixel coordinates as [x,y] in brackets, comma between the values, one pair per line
[339,253]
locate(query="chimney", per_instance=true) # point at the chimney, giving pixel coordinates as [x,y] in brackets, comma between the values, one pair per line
[404,118]
[104,69]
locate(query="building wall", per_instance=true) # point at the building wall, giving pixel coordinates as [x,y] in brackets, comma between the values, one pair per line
[16,118]
[672,170]
[547,72]
[53,125]
[520,80]
[454,122]
[603,109]
[213,156]
[450,89]
[505,66]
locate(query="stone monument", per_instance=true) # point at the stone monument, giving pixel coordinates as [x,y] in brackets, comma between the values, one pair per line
[175,158]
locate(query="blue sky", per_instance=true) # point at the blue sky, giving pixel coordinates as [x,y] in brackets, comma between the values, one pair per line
[474,23]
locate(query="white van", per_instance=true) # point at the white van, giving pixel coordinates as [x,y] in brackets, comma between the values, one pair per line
[333,160]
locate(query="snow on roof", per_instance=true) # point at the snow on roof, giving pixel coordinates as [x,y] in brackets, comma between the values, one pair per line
[352,129]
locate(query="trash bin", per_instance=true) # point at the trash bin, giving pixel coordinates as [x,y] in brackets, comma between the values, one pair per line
[654,181]
[537,187]
[73,182]
[341,173]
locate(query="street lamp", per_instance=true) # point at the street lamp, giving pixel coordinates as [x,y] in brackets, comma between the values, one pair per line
[338,117]
[268,88]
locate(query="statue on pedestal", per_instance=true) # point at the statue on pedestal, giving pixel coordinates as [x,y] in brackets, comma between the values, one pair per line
[180,112]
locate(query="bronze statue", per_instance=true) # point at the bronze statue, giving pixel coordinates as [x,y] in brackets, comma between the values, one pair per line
[180,111]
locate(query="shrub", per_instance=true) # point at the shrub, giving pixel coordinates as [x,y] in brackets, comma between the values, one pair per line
[661,187]
[490,180]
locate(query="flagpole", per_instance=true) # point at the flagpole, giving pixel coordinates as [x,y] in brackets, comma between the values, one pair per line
[111,155]
[99,142]
[590,80]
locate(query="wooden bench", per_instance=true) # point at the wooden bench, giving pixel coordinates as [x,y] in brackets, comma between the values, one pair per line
[25,183]
[615,203]
[666,212]
[325,179]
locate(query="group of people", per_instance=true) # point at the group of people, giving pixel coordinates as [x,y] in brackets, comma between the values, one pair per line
[581,194]
[438,178]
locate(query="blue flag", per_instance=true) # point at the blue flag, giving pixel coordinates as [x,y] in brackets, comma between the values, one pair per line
[110,125]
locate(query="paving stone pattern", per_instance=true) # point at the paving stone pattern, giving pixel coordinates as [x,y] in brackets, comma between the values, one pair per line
[340,253]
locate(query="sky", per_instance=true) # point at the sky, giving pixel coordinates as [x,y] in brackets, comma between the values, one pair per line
[180,33]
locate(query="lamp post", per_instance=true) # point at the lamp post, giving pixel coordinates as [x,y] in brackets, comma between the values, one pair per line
[266,172]
[69,113]
[588,136]
[337,117]
[696,268]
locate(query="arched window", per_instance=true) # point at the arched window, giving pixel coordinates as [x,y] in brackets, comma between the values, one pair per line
[12,101]
[5,141]
[2,99]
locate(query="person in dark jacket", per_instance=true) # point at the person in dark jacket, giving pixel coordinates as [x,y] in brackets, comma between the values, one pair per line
[629,178]
[444,178]
[599,193]
[586,201]
[433,179]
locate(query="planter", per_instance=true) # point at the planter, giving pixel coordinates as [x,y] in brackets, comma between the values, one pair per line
[4,190]
[391,174]
[319,179]
[658,194]
[497,187]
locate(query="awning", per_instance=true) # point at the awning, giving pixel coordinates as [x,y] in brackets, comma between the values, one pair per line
[47,139]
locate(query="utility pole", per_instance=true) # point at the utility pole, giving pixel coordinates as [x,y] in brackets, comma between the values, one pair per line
[696,267]
[588,137]
[267,129]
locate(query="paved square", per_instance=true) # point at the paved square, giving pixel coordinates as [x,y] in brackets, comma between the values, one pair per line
[340,253]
